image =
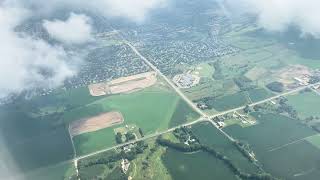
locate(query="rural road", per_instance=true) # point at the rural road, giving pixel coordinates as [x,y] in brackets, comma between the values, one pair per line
[204,117]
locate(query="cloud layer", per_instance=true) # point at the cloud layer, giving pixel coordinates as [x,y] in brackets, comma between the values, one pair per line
[26,62]
[278,15]
[135,10]
[75,30]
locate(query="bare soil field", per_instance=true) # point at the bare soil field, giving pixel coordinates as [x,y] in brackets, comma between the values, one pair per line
[95,123]
[124,84]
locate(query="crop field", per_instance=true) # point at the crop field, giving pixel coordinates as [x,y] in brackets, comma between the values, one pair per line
[305,103]
[207,87]
[230,101]
[151,110]
[209,135]
[33,142]
[279,143]
[61,171]
[182,114]
[259,94]
[93,141]
[199,165]
[314,140]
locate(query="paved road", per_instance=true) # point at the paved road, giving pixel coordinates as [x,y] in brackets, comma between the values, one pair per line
[201,119]
[140,139]
[204,117]
[178,91]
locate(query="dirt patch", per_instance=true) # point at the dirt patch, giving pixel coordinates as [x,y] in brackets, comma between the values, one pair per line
[95,123]
[124,84]
[293,75]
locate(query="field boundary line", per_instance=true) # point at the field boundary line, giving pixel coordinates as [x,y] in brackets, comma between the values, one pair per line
[290,143]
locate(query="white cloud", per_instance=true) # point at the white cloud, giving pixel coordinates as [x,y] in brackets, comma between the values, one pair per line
[278,15]
[75,30]
[135,10]
[24,60]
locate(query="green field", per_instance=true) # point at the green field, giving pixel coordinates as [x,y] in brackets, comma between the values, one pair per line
[305,103]
[62,171]
[192,166]
[314,140]
[33,142]
[209,135]
[271,141]
[259,94]
[151,110]
[230,102]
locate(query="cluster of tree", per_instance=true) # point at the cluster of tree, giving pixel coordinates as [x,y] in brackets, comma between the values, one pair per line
[244,83]
[196,147]
[217,75]
[247,109]
[141,132]
[178,146]
[183,134]
[314,79]
[119,138]
[244,148]
[114,157]
[275,86]
[285,108]
[311,118]
[116,174]
[207,101]
[130,136]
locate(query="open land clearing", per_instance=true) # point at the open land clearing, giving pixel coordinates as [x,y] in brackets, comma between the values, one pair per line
[95,123]
[124,84]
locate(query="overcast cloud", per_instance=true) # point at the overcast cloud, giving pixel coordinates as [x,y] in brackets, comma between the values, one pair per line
[75,30]
[278,15]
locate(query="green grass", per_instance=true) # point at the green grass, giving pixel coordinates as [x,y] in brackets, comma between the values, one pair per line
[182,114]
[230,102]
[151,110]
[204,69]
[259,94]
[314,140]
[56,172]
[306,103]
[272,142]
[295,161]
[209,135]
[93,141]
[190,166]
[272,131]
